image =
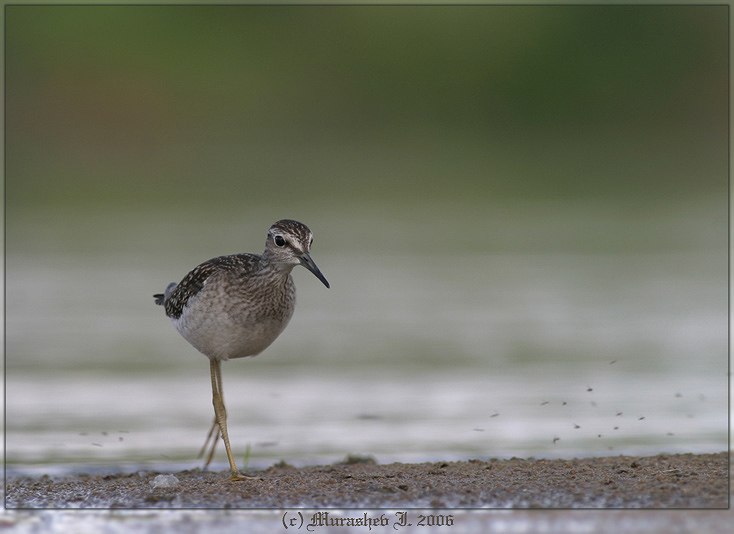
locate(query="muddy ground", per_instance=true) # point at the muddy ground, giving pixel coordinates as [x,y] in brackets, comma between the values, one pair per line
[663,481]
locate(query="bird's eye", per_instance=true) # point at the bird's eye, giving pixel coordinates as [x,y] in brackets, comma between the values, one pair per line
[279,240]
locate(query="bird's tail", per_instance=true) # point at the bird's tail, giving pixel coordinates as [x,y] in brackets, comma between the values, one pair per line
[161,298]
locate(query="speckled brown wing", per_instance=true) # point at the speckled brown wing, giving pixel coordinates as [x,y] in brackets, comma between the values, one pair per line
[177,295]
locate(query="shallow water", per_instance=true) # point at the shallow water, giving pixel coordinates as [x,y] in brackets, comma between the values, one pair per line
[161,423]
[588,336]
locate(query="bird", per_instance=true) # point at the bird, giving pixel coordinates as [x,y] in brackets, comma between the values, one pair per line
[235,306]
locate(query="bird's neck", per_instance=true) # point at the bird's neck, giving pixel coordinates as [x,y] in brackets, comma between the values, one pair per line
[277,267]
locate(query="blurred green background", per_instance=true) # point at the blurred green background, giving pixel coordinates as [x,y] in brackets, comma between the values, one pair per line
[223,107]
[515,206]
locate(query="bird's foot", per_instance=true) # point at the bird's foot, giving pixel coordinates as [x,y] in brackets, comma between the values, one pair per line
[236,476]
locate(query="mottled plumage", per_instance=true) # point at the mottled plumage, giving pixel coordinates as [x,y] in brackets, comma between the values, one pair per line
[236,306]
[177,295]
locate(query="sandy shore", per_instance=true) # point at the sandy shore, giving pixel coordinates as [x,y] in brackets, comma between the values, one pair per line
[663,481]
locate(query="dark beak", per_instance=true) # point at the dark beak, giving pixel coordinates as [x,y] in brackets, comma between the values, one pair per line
[309,264]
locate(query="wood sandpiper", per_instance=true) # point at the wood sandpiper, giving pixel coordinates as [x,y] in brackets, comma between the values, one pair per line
[235,306]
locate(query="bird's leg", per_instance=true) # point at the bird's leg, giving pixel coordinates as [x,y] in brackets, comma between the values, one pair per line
[221,416]
[213,433]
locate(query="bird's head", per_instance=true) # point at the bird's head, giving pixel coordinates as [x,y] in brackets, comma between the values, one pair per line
[289,242]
